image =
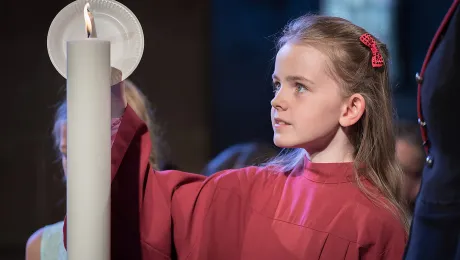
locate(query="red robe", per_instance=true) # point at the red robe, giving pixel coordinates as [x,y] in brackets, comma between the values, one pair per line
[315,212]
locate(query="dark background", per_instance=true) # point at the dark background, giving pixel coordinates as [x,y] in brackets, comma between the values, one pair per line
[206,68]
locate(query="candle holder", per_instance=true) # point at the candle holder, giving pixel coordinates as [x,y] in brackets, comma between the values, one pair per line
[114,22]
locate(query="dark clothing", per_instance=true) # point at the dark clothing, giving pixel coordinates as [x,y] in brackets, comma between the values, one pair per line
[435,231]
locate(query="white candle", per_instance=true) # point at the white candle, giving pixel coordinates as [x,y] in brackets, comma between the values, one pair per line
[88,148]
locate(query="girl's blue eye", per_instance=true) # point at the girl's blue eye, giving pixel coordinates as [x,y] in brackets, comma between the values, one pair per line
[300,88]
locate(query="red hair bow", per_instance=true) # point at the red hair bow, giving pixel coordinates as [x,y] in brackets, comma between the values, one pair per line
[377,59]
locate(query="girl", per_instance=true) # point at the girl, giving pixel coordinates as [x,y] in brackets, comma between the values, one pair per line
[46,243]
[336,196]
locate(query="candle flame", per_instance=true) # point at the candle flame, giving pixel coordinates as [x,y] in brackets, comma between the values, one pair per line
[89,22]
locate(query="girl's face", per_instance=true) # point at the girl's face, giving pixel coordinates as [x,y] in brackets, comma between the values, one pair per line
[308,108]
[63,148]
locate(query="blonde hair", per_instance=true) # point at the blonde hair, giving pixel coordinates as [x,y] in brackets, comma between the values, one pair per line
[138,102]
[373,136]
